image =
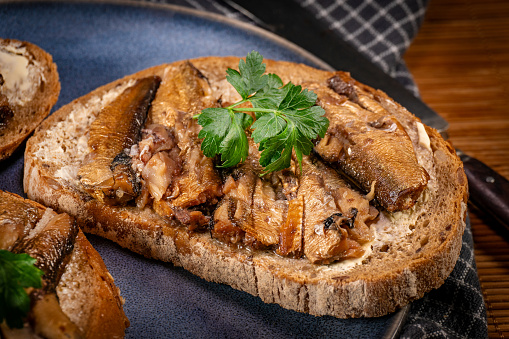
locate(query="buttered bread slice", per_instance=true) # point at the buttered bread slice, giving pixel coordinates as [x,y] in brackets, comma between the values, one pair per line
[29,87]
[372,220]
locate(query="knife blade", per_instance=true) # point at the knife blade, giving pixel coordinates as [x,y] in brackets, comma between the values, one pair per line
[488,189]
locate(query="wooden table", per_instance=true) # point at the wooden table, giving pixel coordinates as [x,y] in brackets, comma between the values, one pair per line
[460,61]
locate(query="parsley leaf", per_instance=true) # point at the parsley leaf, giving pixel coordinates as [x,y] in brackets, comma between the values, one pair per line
[223,133]
[267,126]
[287,119]
[17,271]
[215,124]
[250,78]
[234,147]
[310,121]
[269,96]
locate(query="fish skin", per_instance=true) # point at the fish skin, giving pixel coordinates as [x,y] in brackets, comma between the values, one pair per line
[106,172]
[254,205]
[199,183]
[321,190]
[51,247]
[183,93]
[353,205]
[239,195]
[290,237]
[368,144]
[268,213]
[17,218]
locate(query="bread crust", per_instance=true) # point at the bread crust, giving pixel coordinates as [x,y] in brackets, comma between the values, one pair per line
[87,288]
[87,293]
[29,115]
[420,260]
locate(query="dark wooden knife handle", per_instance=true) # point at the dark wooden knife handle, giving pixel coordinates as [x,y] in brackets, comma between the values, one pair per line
[488,190]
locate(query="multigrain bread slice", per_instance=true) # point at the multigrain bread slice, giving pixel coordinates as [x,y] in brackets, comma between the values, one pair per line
[413,250]
[29,87]
[85,290]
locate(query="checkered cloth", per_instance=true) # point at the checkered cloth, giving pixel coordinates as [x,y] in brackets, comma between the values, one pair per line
[382,30]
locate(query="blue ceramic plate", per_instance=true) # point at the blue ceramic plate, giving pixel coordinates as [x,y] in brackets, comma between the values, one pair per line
[95,43]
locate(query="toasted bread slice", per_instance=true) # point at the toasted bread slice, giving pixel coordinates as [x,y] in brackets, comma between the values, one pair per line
[29,87]
[413,251]
[89,303]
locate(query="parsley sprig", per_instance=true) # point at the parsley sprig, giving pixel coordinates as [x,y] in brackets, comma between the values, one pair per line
[286,119]
[17,271]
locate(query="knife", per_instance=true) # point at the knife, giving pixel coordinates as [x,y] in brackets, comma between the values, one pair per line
[488,189]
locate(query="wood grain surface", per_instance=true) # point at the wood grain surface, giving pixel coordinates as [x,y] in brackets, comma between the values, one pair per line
[460,61]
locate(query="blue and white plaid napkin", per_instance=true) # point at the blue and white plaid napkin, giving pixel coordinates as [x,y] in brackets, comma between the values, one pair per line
[383,30]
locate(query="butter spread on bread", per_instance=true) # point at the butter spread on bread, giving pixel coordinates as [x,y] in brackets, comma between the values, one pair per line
[20,78]
[326,241]
[29,87]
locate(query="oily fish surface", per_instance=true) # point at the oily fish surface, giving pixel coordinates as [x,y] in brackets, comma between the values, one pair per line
[422,242]
[78,298]
[235,200]
[239,217]
[48,237]
[365,138]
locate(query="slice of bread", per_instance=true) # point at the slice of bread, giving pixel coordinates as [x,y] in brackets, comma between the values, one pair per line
[29,87]
[413,250]
[85,289]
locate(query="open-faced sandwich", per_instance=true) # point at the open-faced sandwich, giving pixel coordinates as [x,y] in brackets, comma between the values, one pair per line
[53,284]
[303,187]
[29,87]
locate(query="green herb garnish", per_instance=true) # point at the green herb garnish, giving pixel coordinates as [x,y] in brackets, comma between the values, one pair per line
[286,118]
[17,271]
